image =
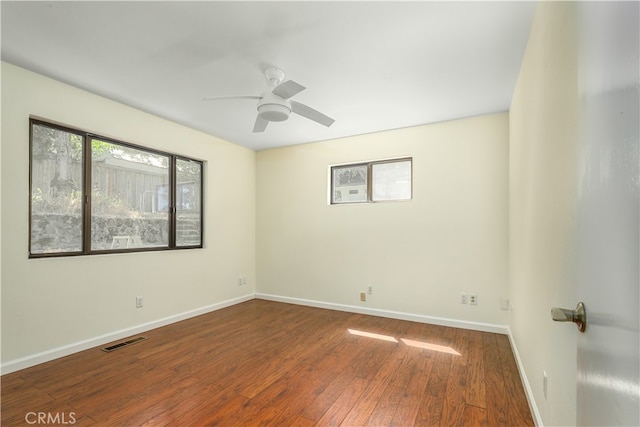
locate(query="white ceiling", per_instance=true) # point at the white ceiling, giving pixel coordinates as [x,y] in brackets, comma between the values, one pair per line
[370,65]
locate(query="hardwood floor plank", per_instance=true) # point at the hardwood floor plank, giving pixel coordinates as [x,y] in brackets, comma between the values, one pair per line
[364,407]
[475,417]
[440,370]
[16,390]
[497,401]
[386,369]
[63,376]
[461,345]
[405,360]
[269,373]
[268,363]
[344,403]
[319,406]
[303,422]
[149,404]
[475,393]
[15,406]
[372,357]
[430,409]
[409,404]
[192,400]
[301,389]
[270,397]
[204,405]
[119,396]
[386,406]
[92,381]
[216,414]
[454,398]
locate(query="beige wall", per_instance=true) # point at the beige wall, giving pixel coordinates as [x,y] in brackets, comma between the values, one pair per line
[419,255]
[543,141]
[52,303]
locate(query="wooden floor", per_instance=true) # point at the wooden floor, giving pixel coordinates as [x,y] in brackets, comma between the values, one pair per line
[268,363]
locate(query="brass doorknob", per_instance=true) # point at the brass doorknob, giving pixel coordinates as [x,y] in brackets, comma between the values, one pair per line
[577,316]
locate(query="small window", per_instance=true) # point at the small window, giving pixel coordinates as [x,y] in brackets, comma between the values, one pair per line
[379,181]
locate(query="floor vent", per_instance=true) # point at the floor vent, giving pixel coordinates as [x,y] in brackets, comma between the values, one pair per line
[123,344]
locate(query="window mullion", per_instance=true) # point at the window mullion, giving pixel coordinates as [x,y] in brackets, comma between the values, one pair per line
[172,202]
[369,183]
[86,194]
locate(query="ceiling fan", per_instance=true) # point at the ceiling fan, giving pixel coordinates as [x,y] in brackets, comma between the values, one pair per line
[275,105]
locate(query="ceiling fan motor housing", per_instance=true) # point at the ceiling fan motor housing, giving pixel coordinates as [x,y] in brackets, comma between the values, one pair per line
[273,108]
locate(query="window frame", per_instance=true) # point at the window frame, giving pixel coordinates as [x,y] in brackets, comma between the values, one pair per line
[86,196]
[369,181]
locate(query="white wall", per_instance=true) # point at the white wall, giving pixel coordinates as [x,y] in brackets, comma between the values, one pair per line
[51,303]
[543,174]
[419,255]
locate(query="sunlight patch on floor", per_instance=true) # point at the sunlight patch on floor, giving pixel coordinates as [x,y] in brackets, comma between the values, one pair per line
[410,343]
[429,346]
[372,335]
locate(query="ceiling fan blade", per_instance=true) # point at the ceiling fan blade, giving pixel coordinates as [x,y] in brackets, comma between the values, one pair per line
[287,89]
[215,98]
[311,114]
[260,125]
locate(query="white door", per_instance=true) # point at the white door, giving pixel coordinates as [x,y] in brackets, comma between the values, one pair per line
[608,230]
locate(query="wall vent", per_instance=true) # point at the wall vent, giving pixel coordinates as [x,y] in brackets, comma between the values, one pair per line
[123,344]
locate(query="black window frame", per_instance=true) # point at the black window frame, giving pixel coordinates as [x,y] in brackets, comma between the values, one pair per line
[369,181]
[87,138]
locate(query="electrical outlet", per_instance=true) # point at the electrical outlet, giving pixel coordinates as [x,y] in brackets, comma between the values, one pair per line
[473,299]
[242,280]
[363,296]
[139,302]
[370,289]
[504,304]
[545,381]
[464,299]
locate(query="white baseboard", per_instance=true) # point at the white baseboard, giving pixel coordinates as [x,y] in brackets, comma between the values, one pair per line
[537,419]
[46,356]
[442,321]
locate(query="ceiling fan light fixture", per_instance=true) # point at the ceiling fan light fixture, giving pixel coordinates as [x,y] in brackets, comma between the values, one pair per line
[274,104]
[274,112]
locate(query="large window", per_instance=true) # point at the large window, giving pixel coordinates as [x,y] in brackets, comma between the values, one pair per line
[91,195]
[371,182]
